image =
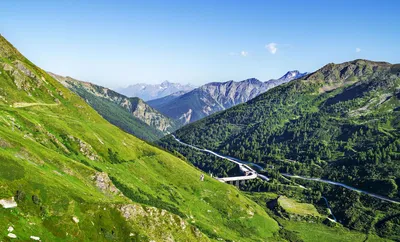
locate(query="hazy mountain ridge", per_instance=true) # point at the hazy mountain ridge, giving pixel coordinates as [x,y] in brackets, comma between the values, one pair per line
[154,91]
[214,97]
[134,106]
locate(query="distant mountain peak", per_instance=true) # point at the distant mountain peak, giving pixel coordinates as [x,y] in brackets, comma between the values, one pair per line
[154,91]
[289,76]
[166,83]
[292,75]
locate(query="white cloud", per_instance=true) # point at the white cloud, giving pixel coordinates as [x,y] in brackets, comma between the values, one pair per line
[358,50]
[244,53]
[272,48]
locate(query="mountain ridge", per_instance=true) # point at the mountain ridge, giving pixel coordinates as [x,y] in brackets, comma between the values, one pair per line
[214,97]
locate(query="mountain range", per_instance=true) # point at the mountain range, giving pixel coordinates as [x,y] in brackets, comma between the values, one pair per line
[213,97]
[153,91]
[130,114]
[340,123]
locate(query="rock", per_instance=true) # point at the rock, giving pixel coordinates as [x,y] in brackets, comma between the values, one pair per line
[150,116]
[105,184]
[132,210]
[8,203]
[183,224]
[10,229]
[35,238]
[12,236]
[75,219]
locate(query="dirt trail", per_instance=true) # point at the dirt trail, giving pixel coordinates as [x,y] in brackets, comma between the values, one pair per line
[23,105]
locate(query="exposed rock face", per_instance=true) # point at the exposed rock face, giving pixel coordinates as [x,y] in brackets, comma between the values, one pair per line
[150,92]
[135,106]
[150,116]
[85,148]
[8,203]
[105,184]
[75,219]
[23,77]
[161,217]
[214,97]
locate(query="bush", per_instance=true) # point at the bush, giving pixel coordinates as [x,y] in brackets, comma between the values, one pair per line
[36,200]
[20,196]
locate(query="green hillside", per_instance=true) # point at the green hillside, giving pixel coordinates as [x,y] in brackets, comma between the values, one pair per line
[340,123]
[342,115]
[75,177]
[132,115]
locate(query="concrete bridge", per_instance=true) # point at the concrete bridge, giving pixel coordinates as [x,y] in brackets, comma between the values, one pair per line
[249,172]
[238,178]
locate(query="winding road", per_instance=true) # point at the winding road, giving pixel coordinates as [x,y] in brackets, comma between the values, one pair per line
[244,164]
[342,185]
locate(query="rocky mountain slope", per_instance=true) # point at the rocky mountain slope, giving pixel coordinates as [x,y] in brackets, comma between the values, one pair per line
[340,123]
[214,97]
[66,174]
[153,91]
[131,114]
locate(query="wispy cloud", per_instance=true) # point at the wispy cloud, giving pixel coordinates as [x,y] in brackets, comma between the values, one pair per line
[244,53]
[358,50]
[272,48]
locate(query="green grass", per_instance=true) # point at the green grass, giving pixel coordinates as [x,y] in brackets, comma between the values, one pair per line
[291,206]
[318,232]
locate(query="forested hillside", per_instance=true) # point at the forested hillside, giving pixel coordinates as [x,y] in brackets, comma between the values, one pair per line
[340,123]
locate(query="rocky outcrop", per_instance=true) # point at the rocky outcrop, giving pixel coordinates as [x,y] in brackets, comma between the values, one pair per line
[150,116]
[161,218]
[104,183]
[85,148]
[8,203]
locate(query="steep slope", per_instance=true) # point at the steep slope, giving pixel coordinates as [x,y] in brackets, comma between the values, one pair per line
[154,91]
[130,114]
[214,97]
[67,174]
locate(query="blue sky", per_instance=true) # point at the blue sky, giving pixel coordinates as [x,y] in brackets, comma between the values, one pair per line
[116,43]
